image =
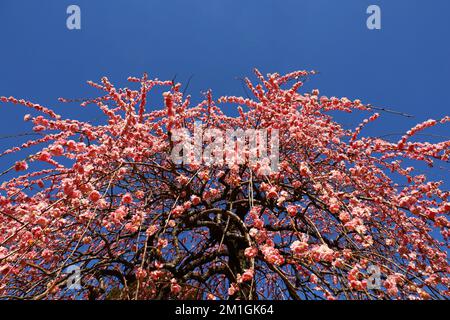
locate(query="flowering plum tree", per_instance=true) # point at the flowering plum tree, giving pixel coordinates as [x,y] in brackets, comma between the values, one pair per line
[110,201]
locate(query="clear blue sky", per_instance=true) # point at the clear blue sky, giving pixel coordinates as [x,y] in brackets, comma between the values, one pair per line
[404,66]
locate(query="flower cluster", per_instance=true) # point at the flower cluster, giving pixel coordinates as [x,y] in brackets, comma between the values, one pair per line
[108,199]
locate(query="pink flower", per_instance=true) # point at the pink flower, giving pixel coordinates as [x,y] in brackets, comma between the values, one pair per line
[87,240]
[214,192]
[119,214]
[156,275]
[57,150]
[38,128]
[253,232]
[177,211]
[203,175]
[304,170]
[334,205]
[47,255]
[141,274]
[251,252]
[140,194]
[3,252]
[246,276]
[354,224]
[232,289]
[162,243]
[299,247]
[183,180]
[171,223]
[175,288]
[187,205]
[272,193]
[71,145]
[127,198]
[152,230]
[292,210]
[44,156]
[338,263]
[21,166]
[258,223]
[272,255]
[195,200]
[296,184]
[344,216]
[94,196]
[131,227]
[42,221]
[323,253]
[5,269]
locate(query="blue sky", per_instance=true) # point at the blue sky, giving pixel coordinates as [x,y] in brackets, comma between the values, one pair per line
[404,66]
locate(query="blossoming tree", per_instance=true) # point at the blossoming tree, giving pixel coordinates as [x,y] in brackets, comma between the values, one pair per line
[343,217]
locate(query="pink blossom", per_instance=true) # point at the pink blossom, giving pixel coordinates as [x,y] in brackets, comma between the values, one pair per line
[21,166]
[299,247]
[127,198]
[304,170]
[47,255]
[177,211]
[94,196]
[251,252]
[44,156]
[233,289]
[195,200]
[162,243]
[175,288]
[344,216]
[57,150]
[246,276]
[272,193]
[141,274]
[182,179]
[152,230]
[334,205]
[272,255]
[292,210]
